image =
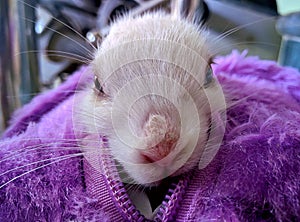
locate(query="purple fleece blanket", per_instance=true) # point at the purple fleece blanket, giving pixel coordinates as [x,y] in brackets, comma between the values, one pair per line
[254,176]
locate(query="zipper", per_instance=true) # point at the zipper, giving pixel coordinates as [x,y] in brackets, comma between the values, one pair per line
[169,206]
[168,209]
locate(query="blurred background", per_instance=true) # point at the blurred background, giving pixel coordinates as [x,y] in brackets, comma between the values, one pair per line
[44,41]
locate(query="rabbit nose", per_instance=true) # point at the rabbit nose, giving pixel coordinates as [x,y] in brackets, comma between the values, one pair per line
[160,150]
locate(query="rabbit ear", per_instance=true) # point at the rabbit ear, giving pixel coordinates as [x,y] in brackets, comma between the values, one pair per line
[187,9]
[217,132]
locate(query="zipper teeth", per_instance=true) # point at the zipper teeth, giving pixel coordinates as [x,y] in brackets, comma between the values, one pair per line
[172,200]
[168,206]
[117,188]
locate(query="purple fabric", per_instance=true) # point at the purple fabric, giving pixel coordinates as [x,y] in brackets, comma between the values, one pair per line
[254,176]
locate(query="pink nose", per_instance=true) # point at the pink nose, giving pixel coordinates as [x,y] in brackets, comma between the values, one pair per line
[161,138]
[159,151]
[153,155]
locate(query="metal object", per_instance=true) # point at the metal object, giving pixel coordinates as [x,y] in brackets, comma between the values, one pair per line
[9,76]
[29,69]
[193,10]
[18,69]
[287,26]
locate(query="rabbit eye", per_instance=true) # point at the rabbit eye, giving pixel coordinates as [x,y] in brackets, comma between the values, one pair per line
[98,85]
[208,76]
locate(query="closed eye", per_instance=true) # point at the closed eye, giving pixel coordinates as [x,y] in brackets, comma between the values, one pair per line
[98,86]
[208,77]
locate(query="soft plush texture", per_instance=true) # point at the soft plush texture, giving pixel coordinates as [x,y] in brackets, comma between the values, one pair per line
[254,176]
